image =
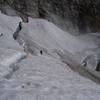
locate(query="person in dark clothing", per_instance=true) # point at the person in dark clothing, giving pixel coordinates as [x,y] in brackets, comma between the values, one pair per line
[41,52]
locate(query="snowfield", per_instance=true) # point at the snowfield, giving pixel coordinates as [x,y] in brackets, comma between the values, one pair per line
[33,76]
[47,35]
[10,51]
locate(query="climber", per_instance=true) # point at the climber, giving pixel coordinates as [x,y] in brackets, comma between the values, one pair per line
[41,52]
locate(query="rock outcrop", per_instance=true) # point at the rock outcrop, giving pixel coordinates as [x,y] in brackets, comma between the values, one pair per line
[75,16]
[92,62]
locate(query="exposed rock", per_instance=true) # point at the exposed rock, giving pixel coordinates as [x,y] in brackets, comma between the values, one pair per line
[75,16]
[19,28]
[92,62]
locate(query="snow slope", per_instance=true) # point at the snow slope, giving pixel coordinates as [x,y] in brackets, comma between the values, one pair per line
[45,78]
[41,77]
[49,36]
[10,51]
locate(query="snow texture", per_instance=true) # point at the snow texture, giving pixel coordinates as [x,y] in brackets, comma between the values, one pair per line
[41,77]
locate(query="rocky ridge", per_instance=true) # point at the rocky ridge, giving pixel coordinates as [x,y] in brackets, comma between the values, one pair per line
[74,16]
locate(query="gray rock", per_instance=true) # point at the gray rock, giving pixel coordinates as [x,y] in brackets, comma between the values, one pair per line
[92,62]
[74,16]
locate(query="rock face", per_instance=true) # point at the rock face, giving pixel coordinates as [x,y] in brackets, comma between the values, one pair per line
[75,16]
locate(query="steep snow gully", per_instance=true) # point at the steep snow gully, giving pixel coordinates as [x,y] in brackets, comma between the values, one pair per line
[46,64]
